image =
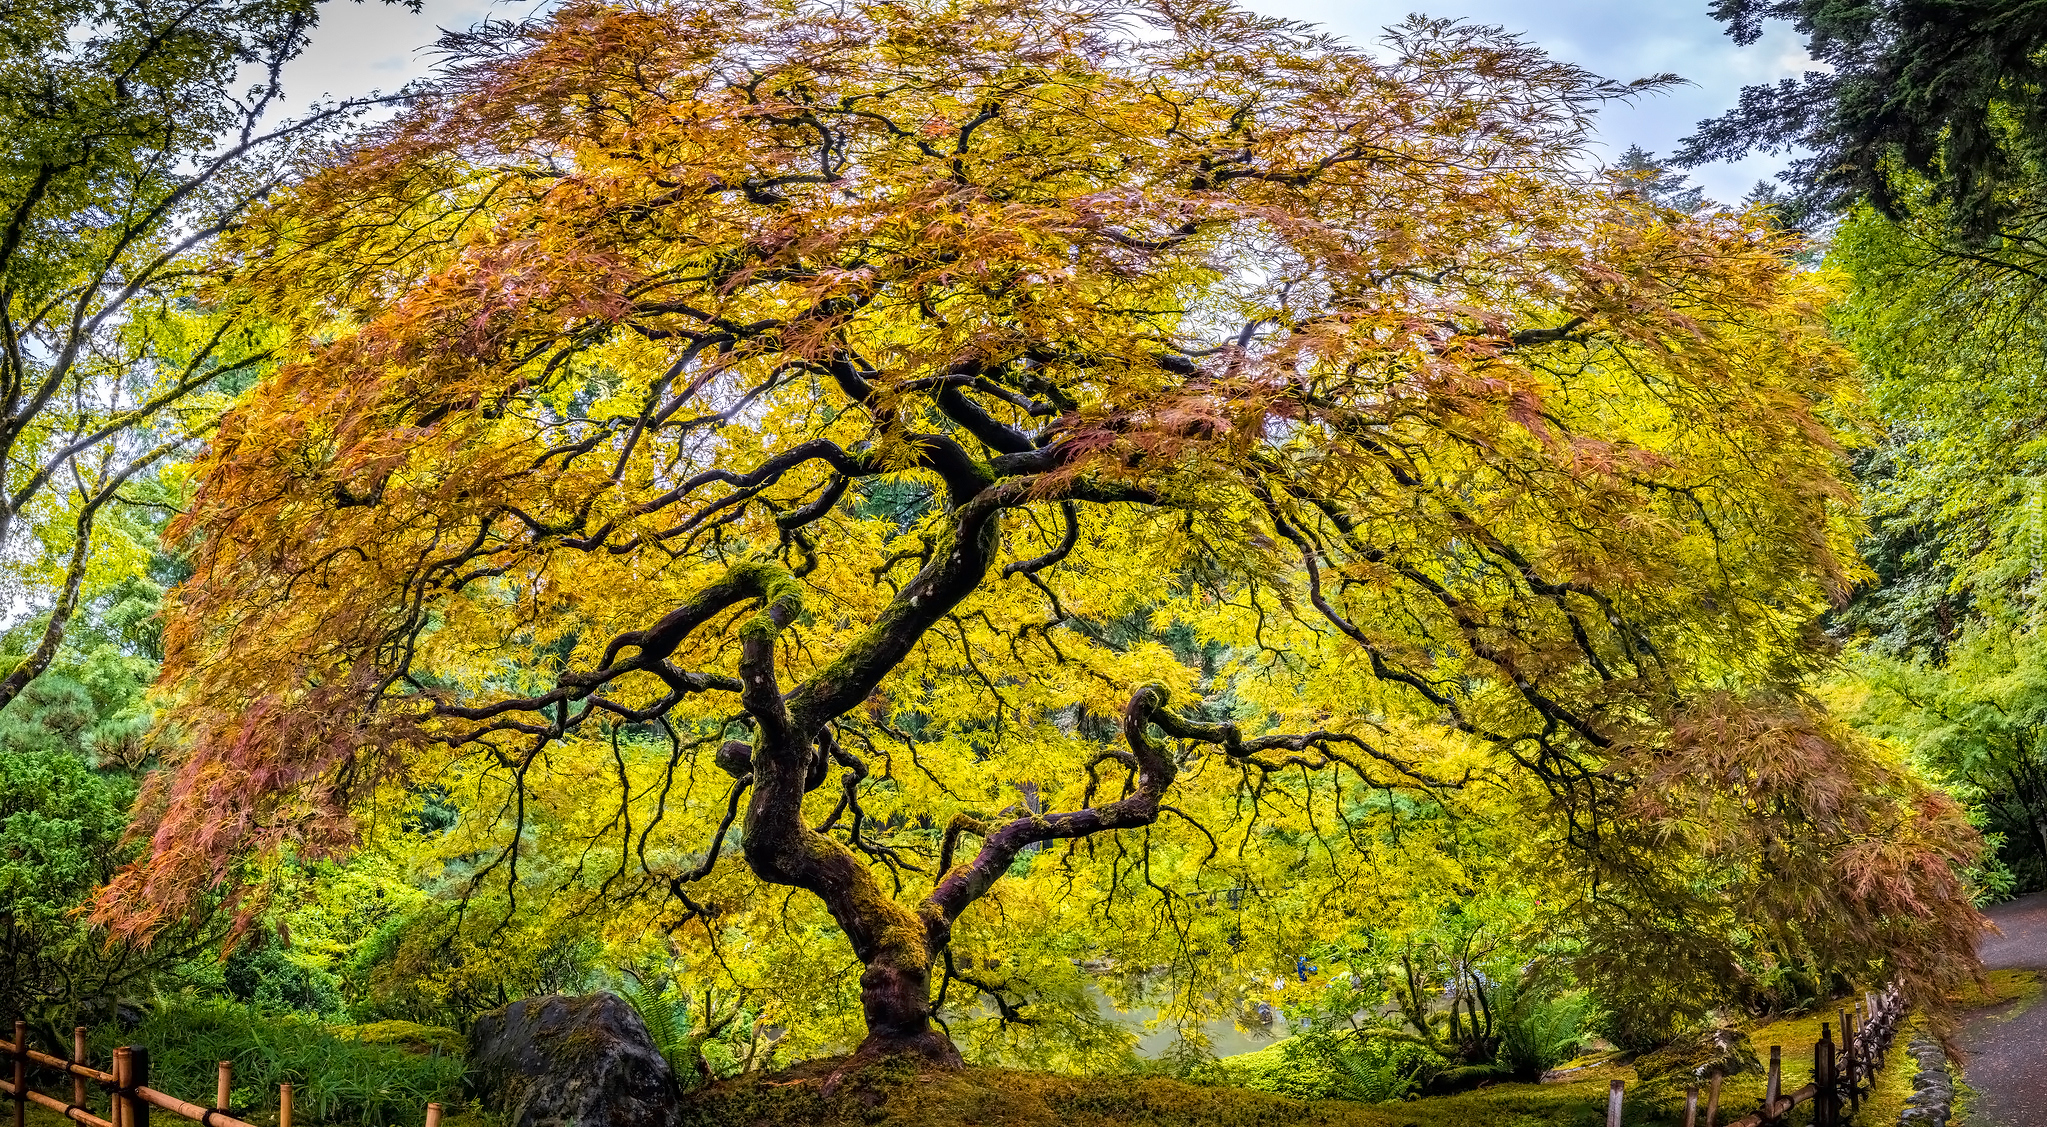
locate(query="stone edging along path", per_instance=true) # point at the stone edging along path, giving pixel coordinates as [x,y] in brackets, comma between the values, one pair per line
[1933,1089]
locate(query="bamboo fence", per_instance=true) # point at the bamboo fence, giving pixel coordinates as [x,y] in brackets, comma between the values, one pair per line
[1840,1079]
[129,1096]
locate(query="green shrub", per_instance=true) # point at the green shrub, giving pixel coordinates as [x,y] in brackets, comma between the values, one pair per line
[668,1027]
[708,1044]
[336,1079]
[1330,1064]
[1359,1067]
[1538,1032]
[263,975]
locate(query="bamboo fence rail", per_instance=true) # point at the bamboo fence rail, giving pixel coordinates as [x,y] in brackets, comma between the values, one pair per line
[1839,1079]
[129,1096]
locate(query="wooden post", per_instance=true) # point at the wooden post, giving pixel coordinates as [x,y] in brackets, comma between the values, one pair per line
[1852,1070]
[1613,1104]
[78,1057]
[20,1055]
[1826,1111]
[225,1085]
[284,1105]
[1713,1100]
[1775,1086]
[1692,1106]
[433,1115]
[138,1077]
[119,1102]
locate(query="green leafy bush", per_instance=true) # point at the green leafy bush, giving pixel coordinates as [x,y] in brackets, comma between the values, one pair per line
[263,975]
[335,1078]
[717,1041]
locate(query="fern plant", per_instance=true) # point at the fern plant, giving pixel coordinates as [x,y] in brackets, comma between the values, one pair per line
[667,1026]
[1539,1031]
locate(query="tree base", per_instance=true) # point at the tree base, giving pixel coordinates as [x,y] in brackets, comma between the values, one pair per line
[931,1049]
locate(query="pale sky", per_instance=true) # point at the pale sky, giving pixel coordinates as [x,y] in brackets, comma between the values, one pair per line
[363,46]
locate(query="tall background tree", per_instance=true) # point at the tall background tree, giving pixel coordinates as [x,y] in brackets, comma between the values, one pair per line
[137,133]
[1925,141]
[1034,466]
[1940,91]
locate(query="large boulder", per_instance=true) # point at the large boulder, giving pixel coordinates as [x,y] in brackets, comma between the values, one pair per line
[562,1061]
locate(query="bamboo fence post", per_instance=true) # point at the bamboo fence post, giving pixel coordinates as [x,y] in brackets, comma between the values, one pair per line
[284,1105]
[1613,1104]
[1775,1087]
[20,1055]
[1826,1110]
[78,1057]
[138,1077]
[1692,1106]
[433,1115]
[225,1085]
[119,1101]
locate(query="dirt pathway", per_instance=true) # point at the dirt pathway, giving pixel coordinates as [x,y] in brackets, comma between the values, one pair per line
[2007,1051]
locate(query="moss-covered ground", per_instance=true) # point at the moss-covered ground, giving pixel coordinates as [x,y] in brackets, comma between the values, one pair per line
[1000,1098]
[898,1096]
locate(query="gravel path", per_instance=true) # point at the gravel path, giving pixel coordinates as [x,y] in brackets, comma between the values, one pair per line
[2008,1055]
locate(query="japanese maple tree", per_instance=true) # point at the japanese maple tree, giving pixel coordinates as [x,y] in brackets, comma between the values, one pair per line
[937,438]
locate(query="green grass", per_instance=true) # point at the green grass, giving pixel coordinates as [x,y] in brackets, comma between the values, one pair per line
[344,1081]
[352,1076]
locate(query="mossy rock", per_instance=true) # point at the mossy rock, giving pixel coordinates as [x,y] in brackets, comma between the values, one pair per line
[1694,1060]
[558,1061]
[1464,1078]
[411,1035]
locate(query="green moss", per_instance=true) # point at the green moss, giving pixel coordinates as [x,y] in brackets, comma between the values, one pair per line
[2018,988]
[406,1035]
[890,1095]
[1001,1098]
[776,588]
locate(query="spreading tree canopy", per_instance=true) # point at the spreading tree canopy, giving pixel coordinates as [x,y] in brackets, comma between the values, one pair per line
[1090,460]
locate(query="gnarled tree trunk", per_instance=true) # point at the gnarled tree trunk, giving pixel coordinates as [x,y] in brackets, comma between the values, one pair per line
[895,998]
